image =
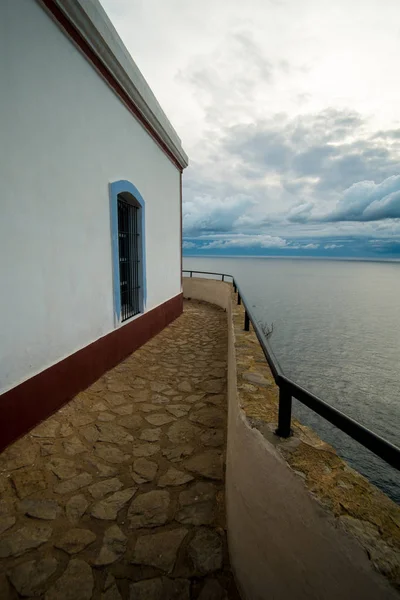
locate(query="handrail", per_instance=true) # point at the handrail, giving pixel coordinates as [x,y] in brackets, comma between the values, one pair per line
[289,389]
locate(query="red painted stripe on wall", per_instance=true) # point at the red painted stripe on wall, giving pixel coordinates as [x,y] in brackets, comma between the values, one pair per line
[34,400]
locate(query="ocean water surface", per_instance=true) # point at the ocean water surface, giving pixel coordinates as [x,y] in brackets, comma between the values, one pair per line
[337,333]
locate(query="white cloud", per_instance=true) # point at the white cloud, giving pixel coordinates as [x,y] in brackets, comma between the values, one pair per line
[214,214]
[188,245]
[369,201]
[248,241]
[333,246]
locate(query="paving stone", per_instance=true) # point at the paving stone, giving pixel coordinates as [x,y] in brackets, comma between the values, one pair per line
[111,432]
[208,464]
[6,523]
[114,546]
[185,386]
[90,433]
[159,419]
[76,507]
[159,549]
[124,409]
[158,387]
[48,447]
[208,416]
[98,407]
[62,467]
[133,422]
[216,399]
[73,446]
[219,364]
[172,392]
[6,590]
[115,399]
[75,483]
[177,453]
[199,405]
[75,540]
[108,508]
[80,402]
[76,583]
[147,469]
[40,508]
[212,590]
[202,513]
[149,408]
[205,551]
[118,386]
[159,399]
[26,538]
[106,417]
[29,578]
[150,509]
[21,454]
[212,437]
[110,453]
[213,386]
[102,488]
[98,386]
[201,491]
[139,395]
[66,430]
[28,481]
[4,484]
[194,398]
[149,589]
[144,449]
[174,477]
[47,429]
[112,593]
[182,431]
[151,435]
[176,589]
[101,469]
[81,419]
[178,410]
[110,580]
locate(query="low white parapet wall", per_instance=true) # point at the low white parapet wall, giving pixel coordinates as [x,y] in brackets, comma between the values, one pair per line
[283,543]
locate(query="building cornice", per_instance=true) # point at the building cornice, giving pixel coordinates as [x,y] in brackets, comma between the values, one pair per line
[87,24]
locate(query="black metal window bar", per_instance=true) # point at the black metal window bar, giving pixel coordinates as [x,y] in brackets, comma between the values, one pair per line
[288,389]
[129,258]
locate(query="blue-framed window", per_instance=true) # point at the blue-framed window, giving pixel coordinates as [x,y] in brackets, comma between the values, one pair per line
[128,249]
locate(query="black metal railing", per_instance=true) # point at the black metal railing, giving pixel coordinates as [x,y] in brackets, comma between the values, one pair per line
[288,389]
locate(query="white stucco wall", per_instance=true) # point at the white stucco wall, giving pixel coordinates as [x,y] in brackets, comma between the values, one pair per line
[65,136]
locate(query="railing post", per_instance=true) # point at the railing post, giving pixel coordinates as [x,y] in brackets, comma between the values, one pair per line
[246,321]
[239,299]
[234,286]
[191,273]
[223,277]
[285,412]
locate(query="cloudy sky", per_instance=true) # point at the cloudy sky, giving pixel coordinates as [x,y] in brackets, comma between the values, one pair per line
[289,111]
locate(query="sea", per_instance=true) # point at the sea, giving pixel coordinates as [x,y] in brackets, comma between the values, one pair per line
[336,332]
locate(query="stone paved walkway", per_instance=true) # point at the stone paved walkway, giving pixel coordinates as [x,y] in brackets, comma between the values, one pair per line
[120,494]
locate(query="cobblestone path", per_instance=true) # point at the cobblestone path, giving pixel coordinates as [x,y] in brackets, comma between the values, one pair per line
[120,494]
